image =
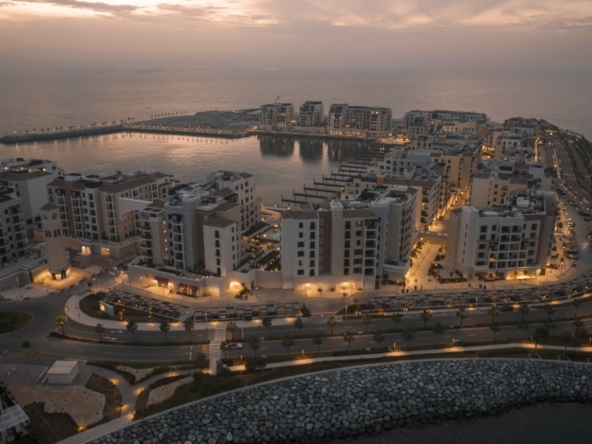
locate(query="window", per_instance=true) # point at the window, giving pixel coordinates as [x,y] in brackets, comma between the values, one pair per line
[347,225]
[312,273]
[300,244]
[301,235]
[301,254]
[300,273]
[301,263]
[313,226]
[300,224]
[312,263]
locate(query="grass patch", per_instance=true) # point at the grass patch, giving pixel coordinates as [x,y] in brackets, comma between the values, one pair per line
[268,257]
[202,386]
[258,226]
[113,399]
[13,320]
[90,306]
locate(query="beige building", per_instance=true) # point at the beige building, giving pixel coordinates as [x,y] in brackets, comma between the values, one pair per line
[58,262]
[101,212]
[509,241]
[13,235]
[276,114]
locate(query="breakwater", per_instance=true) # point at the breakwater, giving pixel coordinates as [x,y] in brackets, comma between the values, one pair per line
[364,401]
[44,137]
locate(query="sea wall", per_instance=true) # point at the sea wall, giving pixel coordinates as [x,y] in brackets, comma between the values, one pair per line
[364,401]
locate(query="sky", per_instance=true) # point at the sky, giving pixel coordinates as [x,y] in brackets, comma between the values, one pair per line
[281,34]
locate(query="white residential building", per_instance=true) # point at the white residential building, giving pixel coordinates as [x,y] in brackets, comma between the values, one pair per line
[312,113]
[276,114]
[13,237]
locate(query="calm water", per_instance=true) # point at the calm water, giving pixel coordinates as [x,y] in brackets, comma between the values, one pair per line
[48,99]
[541,424]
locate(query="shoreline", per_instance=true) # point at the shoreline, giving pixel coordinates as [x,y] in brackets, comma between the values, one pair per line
[366,401]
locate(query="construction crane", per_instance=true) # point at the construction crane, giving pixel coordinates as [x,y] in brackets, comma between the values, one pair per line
[277,99]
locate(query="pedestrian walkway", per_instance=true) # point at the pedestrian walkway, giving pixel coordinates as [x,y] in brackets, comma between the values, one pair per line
[214,349]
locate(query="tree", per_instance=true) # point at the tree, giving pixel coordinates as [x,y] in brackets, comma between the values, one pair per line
[132,326]
[549,310]
[62,320]
[288,342]
[577,304]
[549,325]
[524,310]
[119,311]
[379,338]
[578,324]
[231,327]
[165,327]
[462,315]
[540,334]
[318,339]
[396,318]
[523,326]
[100,328]
[189,325]
[299,324]
[566,339]
[348,337]
[493,312]
[425,316]
[438,329]
[332,322]
[366,320]
[255,344]
[224,348]
[408,335]
[495,328]
[266,322]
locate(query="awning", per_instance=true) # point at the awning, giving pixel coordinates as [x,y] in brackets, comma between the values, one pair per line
[182,285]
[482,275]
[193,288]
[161,280]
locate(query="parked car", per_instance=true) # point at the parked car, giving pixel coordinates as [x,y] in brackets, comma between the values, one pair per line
[506,308]
[234,346]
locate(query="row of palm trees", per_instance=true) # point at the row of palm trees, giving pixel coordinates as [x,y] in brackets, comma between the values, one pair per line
[74,127]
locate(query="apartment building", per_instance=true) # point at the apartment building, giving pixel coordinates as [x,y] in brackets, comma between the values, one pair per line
[429,181]
[312,113]
[418,122]
[29,178]
[13,236]
[276,114]
[498,179]
[240,188]
[58,259]
[152,231]
[95,209]
[332,245]
[506,241]
[202,229]
[376,119]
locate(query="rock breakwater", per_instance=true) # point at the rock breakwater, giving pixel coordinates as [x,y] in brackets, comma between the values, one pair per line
[364,401]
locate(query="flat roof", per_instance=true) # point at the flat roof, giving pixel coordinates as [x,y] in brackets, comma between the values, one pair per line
[62,367]
[11,417]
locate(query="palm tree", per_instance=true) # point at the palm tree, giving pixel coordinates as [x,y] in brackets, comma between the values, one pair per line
[255,344]
[366,320]
[132,326]
[62,320]
[462,315]
[493,312]
[348,337]
[231,327]
[189,325]
[396,318]
[425,316]
[318,339]
[524,310]
[577,304]
[288,342]
[224,348]
[332,322]
[549,310]
[540,334]
[299,324]
[378,338]
[266,322]
[100,328]
[549,325]
[578,324]
[165,327]
[523,326]
[566,339]
[408,335]
[495,328]
[438,329]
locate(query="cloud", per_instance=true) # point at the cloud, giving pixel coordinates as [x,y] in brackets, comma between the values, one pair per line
[98,7]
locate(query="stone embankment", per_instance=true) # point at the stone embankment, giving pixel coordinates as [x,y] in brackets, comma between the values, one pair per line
[364,401]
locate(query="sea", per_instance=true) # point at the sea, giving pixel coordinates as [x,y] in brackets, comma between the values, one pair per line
[49,99]
[54,98]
